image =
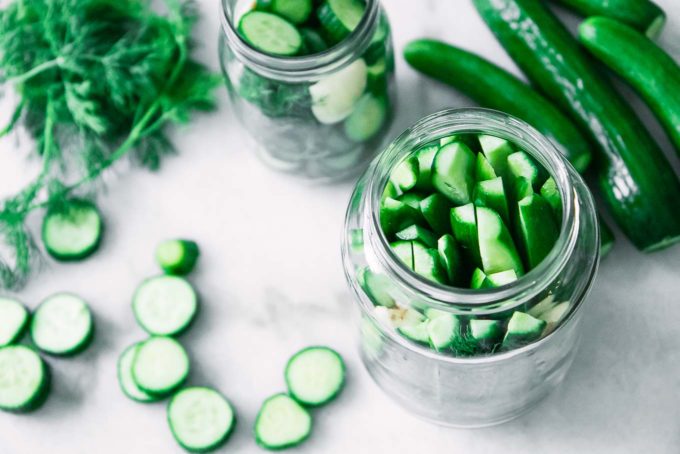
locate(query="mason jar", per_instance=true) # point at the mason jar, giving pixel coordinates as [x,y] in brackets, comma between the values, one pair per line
[321,116]
[469,388]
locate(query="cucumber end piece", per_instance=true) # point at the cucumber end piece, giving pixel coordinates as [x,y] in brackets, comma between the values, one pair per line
[177,256]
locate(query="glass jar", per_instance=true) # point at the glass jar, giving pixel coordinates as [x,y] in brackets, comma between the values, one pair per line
[469,389]
[321,116]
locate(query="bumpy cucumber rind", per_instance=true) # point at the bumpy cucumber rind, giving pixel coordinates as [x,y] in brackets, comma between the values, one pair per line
[41,389]
[14,321]
[60,312]
[67,224]
[334,383]
[264,441]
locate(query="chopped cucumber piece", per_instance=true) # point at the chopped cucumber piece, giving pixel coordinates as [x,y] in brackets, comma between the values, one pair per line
[405,175]
[490,193]
[521,164]
[551,193]
[555,315]
[396,216]
[296,11]
[486,333]
[334,96]
[521,189]
[312,41]
[450,259]
[496,247]
[522,330]
[282,423]
[539,231]
[270,33]
[443,329]
[72,232]
[177,256]
[412,199]
[426,263]
[479,279]
[200,419]
[62,325]
[435,209]
[340,17]
[425,159]
[453,172]
[165,305]
[404,250]
[416,332]
[502,278]
[496,151]
[418,233]
[483,169]
[160,366]
[377,288]
[13,321]
[24,379]
[125,379]
[542,306]
[464,226]
[390,192]
[367,118]
[315,376]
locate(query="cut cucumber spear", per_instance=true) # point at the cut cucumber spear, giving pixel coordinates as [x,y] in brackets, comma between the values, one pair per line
[464,226]
[418,233]
[405,175]
[436,209]
[453,172]
[522,165]
[483,169]
[282,423]
[522,330]
[538,229]
[426,263]
[551,194]
[62,325]
[165,305]
[73,231]
[13,321]
[486,333]
[496,150]
[450,258]
[496,247]
[177,256]
[425,158]
[24,379]
[315,376]
[491,194]
[396,215]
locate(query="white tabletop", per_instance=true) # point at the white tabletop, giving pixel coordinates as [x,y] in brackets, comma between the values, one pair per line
[271,282]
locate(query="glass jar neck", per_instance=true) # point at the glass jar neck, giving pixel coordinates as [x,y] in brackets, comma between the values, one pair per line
[490,122]
[302,68]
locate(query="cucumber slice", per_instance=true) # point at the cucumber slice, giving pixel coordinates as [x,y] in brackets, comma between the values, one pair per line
[160,366]
[486,333]
[450,259]
[315,376]
[443,329]
[125,379]
[405,175]
[416,332]
[464,227]
[418,233]
[496,247]
[490,194]
[425,157]
[270,34]
[177,256]
[282,423]
[521,164]
[62,325]
[522,330]
[404,250]
[24,379]
[13,321]
[453,172]
[334,97]
[72,232]
[377,288]
[200,419]
[426,263]
[165,305]
[367,118]
[436,210]
[483,169]
[552,195]
[538,228]
[296,11]
[339,18]
[496,151]
[312,41]
[502,278]
[396,216]
[479,279]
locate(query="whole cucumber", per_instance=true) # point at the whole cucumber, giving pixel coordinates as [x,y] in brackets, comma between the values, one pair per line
[637,181]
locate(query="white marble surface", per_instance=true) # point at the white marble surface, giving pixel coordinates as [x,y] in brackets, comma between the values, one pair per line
[271,282]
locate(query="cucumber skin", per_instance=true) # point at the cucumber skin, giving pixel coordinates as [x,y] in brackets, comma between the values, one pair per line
[495,88]
[119,375]
[291,444]
[21,332]
[641,63]
[635,178]
[642,15]
[332,396]
[83,254]
[38,399]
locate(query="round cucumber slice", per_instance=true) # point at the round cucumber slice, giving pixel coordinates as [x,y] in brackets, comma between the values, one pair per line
[334,97]
[282,423]
[367,119]
[165,305]
[125,379]
[200,419]
[24,379]
[315,375]
[73,232]
[13,321]
[160,366]
[340,17]
[296,11]
[270,33]
[62,325]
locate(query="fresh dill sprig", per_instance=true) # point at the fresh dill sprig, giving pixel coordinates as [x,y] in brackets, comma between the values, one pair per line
[99,81]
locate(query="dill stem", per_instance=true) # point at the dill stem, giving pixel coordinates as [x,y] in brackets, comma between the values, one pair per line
[21,78]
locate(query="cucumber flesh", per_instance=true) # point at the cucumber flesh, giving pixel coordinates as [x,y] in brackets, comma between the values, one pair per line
[479,279]
[418,233]
[296,11]
[165,305]
[412,199]
[522,330]
[125,380]
[443,329]
[496,151]
[491,194]
[340,17]
[160,366]
[13,321]
[24,379]
[73,232]
[270,34]
[396,216]
[367,118]
[486,333]
[539,231]
[405,175]
[315,376]
[464,226]
[377,288]
[435,209]
[425,159]
[521,164]
[450,259]
[501,279]
[404,251]
[551,193]
[282,423]
[335,96]
[416,332]
[453,172]
[426,263]
[62,325]
[483,169]
[496,247]
[177,256]
[200,419]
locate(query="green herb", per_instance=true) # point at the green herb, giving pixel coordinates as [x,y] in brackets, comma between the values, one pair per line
[99,81]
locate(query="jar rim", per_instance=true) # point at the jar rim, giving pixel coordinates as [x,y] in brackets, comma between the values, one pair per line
[476,120]
[301,68]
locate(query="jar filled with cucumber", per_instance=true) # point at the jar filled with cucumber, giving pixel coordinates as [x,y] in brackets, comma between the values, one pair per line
[311,81]
[470,246]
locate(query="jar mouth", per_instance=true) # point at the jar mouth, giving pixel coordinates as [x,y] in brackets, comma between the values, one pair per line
[300,68]
[486,121]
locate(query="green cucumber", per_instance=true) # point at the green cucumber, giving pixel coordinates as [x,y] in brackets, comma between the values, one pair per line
[539,231]
[496,247]
[270,34]
[496,150]
[464,227]
[177,256]
[490,193]
[367,118]
[636,180]
[412,199]
[485,333]
[416,332]
[72,231]
[62,325]
[396,215]
[14,319]
[404,251]
[653,73]
[200,419]
[405,175]
[125,379]
[165,305]
[425,157]
[312,41]
[479,280]
[522,330]
[24,379]
[160,366]
[282,423]
[521,164]
[418,233]
[495,88]
[315,376]
[643,15]
[296,11]
[339,18]
[500,279]
[335,96]
[426,263]
[444,329]
[377,288]
[551,193]
[483,169]
[453,172]
[450,259]
[435,209]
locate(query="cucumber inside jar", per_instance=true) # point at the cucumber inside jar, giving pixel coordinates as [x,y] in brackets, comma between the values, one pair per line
[487,214]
